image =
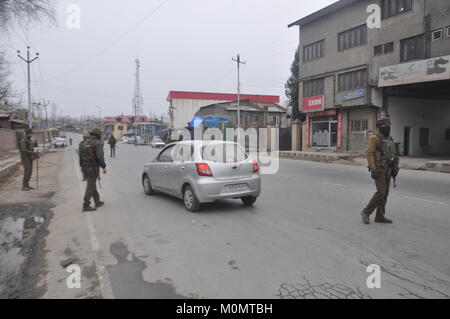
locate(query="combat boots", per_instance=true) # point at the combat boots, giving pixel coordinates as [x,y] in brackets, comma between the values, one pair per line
[383,220]
[99,204]
[365,218]
[88,208]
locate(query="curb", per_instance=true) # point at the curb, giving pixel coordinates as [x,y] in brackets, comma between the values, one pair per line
[8,169]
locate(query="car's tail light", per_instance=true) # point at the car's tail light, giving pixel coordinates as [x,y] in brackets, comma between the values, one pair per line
[203,169]
[255,167]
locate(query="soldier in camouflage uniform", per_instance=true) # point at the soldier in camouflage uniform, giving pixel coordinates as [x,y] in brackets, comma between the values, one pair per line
[383,165]
[91,160]
[27,155]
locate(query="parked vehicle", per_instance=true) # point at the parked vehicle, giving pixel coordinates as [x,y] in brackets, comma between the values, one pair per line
[157,142]
[60,142]
[203,171]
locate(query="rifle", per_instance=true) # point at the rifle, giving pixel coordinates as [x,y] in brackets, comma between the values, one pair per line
[393,170]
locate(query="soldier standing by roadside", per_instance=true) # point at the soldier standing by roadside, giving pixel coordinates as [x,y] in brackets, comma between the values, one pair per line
[91,160]
[383,165]
[27,155]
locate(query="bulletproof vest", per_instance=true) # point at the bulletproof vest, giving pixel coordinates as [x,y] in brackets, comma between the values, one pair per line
[87,156]
[387,148]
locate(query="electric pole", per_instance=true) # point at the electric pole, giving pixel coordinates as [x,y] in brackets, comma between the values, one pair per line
[28,62]
[99,116]
[239,62]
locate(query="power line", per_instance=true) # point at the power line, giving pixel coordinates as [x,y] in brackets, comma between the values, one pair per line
[111,44]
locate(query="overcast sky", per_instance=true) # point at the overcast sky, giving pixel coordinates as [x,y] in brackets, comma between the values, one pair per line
[185,45]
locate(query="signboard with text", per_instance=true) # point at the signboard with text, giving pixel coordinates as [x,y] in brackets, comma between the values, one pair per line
[352,95]
[314,103]
[415,72]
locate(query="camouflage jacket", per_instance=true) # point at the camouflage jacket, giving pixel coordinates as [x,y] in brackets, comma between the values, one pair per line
[91,154]
[380,151]
[26,147]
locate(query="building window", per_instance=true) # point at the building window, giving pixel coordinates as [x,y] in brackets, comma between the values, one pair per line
[314,87]
[352,38]
[391,8]
[352,81]
[383,49]
[314,50]
[412,48]
[447,135]
[437,35]
[378,50]
[448,32]
[359,125]
[388,47]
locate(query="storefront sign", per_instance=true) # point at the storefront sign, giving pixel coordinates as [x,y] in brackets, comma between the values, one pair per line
[415,72]
[352,95]
[314,103]
[339,130]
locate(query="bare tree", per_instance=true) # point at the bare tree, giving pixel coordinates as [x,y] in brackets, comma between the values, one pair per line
[5,87]
[25,12]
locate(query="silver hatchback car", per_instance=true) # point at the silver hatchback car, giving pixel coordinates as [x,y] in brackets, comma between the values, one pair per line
[203,172]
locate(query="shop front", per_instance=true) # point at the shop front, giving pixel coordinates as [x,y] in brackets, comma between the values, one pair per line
[324,129]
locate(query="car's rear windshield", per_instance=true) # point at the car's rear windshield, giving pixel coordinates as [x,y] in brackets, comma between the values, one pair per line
[223,153]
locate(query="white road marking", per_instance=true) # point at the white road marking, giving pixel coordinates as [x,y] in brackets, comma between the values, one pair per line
[426,200]
[105,285]
[333,184]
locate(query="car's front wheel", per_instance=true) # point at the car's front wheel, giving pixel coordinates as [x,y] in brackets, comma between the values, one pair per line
[148,189]
[249,200]
[191,201]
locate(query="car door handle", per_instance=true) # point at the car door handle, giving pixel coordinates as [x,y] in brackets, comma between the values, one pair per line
[182,167]
[166,167]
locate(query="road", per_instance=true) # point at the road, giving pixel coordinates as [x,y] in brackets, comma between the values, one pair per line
[303,238]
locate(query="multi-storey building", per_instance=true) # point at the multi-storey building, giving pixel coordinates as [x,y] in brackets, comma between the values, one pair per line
[353,69]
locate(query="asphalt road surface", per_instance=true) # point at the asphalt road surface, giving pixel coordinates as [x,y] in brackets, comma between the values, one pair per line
[303,238]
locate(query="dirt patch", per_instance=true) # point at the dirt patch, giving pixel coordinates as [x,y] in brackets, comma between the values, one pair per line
[23,228]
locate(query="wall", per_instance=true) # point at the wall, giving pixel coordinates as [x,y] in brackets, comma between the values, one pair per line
[8,140]
[420,113]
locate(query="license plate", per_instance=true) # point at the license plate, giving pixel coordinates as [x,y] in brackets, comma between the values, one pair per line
[235,188]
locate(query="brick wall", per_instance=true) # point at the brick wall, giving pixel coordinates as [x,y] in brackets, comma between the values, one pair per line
[8,140]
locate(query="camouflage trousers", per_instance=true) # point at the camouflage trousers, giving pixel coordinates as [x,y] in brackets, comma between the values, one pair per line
[28,171]
[379,199]
[91,186]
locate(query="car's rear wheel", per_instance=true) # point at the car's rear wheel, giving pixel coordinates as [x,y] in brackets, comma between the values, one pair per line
[191,201]
[249,200]
[148,189]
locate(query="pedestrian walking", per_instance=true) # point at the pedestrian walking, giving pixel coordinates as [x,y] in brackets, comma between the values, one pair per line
[91,160]
[383,165]
[28,155]
[112,144]
[70,141]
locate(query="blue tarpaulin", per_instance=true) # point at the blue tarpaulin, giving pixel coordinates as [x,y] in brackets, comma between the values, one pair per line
[210,121]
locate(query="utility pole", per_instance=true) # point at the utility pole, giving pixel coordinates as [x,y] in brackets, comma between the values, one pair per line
[99,116]
[239,62]
[28,62]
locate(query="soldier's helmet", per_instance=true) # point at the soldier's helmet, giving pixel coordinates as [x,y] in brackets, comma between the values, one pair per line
[29,131]
[86,134]
[383,120]
[96,131]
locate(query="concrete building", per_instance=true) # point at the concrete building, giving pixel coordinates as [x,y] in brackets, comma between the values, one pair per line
[184,105]
[351,70]
[253,114]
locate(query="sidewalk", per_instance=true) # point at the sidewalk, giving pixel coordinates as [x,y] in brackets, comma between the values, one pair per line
[10,160]
[439,164]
